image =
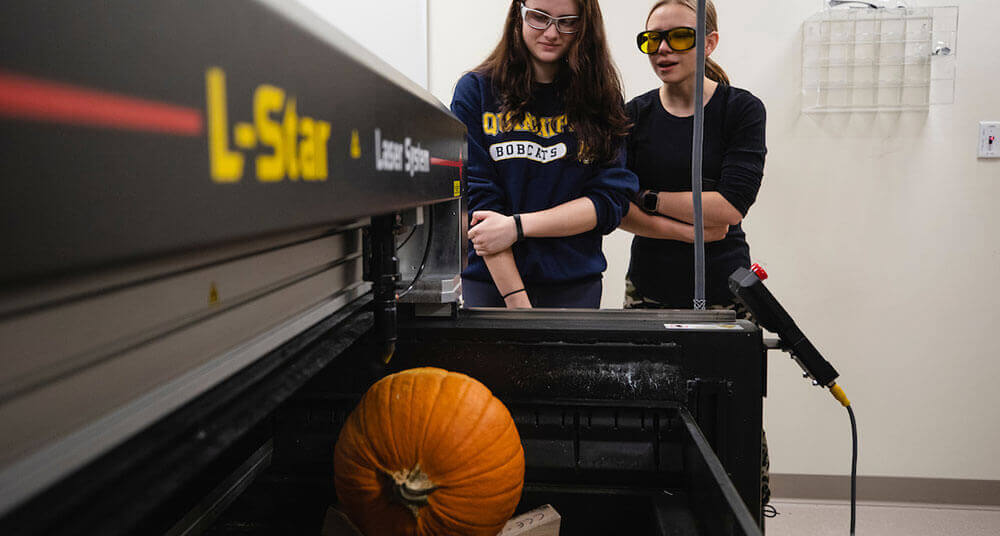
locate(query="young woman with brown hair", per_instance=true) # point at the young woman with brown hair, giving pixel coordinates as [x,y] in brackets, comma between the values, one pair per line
[546,174]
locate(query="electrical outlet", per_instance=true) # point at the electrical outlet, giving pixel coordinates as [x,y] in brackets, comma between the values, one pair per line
[989,139]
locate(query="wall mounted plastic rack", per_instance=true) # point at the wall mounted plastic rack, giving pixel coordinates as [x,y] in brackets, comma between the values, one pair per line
[872,60]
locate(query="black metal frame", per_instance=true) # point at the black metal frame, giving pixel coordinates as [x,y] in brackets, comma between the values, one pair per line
[629,459]
[147,484]
[647,377]
[613,355]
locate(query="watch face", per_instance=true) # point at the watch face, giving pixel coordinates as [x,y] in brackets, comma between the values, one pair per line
[649,201]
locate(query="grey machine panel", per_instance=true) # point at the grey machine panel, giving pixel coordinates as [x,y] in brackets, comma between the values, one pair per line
[185,187]
[136,128]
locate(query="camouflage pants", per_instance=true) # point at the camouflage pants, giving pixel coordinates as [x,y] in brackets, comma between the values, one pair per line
[635,300]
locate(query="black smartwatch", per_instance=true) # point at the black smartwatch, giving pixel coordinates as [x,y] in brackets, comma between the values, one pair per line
[649,200]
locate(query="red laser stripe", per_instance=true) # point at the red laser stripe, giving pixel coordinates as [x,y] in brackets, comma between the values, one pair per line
[31,98]
[443,162]
[449,163]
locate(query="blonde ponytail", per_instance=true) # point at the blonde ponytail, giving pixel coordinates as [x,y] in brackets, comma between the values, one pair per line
[714,72]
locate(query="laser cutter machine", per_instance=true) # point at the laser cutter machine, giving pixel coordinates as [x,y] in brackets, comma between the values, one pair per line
[224,221]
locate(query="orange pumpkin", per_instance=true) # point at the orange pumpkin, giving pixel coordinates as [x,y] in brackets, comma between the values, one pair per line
[429,452]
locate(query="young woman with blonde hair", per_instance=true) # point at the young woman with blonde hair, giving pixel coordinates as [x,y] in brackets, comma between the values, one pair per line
[661,270]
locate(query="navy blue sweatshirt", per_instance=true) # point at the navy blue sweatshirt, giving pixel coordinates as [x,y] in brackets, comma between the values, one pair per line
[534,166]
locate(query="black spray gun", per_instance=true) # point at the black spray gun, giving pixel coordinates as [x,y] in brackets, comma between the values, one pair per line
[748,286]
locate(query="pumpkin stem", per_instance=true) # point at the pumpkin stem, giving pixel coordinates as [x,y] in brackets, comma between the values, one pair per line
[412,488]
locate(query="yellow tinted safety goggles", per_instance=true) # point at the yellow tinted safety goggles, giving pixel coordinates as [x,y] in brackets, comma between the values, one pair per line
[678,39]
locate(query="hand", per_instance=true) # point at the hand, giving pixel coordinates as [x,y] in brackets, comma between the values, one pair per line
[714,234]
[491,232]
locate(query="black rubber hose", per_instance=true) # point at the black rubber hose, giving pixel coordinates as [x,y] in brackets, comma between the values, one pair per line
[427,250]
[854,468]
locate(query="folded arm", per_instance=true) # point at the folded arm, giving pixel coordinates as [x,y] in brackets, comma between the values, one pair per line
[493,232]
[716,210]
[655,226]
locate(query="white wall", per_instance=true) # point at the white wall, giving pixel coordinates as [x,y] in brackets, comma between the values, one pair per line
[877,230]
[394,30]
[880,237]
[461,34]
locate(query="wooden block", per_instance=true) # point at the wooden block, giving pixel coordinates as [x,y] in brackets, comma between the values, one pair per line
[542,521]
[337,524]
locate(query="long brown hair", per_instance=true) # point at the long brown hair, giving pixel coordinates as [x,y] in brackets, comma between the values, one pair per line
[712,69]
[589,82]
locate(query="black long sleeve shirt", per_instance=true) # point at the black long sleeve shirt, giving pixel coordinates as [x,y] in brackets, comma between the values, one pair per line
[659,152]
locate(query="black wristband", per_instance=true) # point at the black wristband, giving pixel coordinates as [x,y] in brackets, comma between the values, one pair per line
[511,293]
[520,230]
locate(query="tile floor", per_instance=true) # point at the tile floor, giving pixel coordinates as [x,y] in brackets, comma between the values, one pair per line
[828,518]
